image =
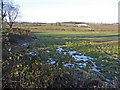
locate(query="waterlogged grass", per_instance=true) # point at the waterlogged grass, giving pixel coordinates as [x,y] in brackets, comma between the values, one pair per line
[66,59]
[100,47]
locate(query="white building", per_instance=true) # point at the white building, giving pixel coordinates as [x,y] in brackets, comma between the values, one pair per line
[81,25]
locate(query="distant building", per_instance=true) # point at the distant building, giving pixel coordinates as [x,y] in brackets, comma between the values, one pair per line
[81,25]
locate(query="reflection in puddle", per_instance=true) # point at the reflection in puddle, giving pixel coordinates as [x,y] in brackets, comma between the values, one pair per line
[69,64]
[113,57]
[94,69]
[105,60]
[47,51]
[50,61]
[32,53]
[25,44]
[78,57]
[80,61]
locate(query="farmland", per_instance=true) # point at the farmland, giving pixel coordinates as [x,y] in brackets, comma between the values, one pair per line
[66,56]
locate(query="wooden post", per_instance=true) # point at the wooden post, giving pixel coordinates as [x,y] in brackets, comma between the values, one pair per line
[1,15]
[1,44]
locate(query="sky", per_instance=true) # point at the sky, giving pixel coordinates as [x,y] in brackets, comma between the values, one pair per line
[51,11]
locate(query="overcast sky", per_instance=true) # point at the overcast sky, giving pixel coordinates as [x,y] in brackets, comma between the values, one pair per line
[105,11]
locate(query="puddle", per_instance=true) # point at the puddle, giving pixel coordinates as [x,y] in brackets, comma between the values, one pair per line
[32,53]
[35,39]
[105,60]
[59,49]
[94,69]
[74,54]
[47,51]
[82,57]
[50,61]
[78,57]
[69,64]
[80,60]
[108,83]
[25,44]
[113,57]
[82,65]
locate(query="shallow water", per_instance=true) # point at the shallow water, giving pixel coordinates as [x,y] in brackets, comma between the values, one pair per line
[113,57]
[78,57]
[94,69]
[25,44]
[80,60]
[50,61]
[47,51]
[69,64]
[32,53]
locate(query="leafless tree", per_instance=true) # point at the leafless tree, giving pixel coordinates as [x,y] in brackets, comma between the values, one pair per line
[2,12]
[11,13]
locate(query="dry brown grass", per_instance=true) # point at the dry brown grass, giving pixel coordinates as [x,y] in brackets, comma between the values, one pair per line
[104,27]
[70,27]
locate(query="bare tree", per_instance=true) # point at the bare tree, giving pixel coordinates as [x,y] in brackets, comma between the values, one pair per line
[3,12]
[11,13]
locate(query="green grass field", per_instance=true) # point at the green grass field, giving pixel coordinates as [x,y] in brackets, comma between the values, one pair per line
[63,58]
[99,46]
